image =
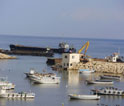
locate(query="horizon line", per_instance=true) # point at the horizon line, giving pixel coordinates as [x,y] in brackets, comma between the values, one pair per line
[61,37]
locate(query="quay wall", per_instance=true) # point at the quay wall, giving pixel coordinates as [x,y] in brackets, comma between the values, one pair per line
[102,67]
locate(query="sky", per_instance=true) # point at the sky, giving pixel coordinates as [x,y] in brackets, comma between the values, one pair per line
[63,18]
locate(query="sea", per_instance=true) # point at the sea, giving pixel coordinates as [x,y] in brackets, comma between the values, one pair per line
[71,82]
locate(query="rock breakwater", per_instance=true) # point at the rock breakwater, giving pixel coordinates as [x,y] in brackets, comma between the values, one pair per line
[4,56]
[102,67]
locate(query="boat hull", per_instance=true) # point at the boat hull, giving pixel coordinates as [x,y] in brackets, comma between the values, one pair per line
[84,97]
[100,82]
[86,71]
[48,80]
[17,95]
[110,77]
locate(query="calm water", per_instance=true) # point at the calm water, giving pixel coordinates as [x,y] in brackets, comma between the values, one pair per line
[71,82]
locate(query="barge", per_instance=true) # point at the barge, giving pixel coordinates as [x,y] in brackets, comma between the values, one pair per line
[28,50]
[62,48]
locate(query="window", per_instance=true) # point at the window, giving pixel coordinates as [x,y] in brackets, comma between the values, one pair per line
[64,64]
[67,64]
[72,57]
[118,92]
[71,64]
[65,56]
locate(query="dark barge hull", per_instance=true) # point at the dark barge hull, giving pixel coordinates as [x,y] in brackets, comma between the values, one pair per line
[38,50]
[27,50]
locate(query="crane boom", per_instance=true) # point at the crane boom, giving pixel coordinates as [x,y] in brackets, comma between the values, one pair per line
[86,45]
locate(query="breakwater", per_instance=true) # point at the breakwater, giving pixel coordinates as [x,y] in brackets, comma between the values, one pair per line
[101,67]
[4,56]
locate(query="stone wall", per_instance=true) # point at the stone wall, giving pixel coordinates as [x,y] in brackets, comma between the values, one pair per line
[102,67]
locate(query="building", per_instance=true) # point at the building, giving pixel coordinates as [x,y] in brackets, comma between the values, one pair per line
[69,60]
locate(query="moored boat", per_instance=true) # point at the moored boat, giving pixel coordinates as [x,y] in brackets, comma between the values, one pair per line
[5,94]
[85,71]
[29,50]
[108,91]
[46,79]
[110,77]
[99,82]
[33,73]
[43,78]
[84,97]
[7,85]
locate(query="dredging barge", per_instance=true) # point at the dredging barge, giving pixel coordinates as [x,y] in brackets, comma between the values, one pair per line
[28,50]
[20,49]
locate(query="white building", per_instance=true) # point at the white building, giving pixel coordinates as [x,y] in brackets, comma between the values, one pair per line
[69,60]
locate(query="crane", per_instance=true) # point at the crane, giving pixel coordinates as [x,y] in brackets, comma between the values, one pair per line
[86,45]
[84,58]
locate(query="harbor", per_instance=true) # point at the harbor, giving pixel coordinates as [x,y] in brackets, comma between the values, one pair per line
[71,82]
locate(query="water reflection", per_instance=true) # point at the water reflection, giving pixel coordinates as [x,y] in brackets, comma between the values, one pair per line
[2,102]
[73,78]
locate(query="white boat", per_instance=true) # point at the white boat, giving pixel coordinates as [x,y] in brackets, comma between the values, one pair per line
[99,82]
[5,94]
[43,78]
[46,79]
[86,71]
[108,91]
[33,73]
[7,85]
[84,97]
[110,77]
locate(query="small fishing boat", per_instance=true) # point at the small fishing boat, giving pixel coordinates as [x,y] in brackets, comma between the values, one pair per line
[85,71]
[5,94]
[84,97]
[7,85]
[110,77]
[46,79]
[108,91]
[99,82]
[43,78]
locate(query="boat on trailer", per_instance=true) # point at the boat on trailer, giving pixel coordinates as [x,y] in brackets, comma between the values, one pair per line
[84,97]
[110,77]
[108,91]
[99,82]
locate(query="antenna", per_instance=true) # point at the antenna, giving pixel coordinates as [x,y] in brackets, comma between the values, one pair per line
[119,51]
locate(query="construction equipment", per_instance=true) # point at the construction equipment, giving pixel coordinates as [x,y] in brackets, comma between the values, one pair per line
[84,58]
[86,45]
